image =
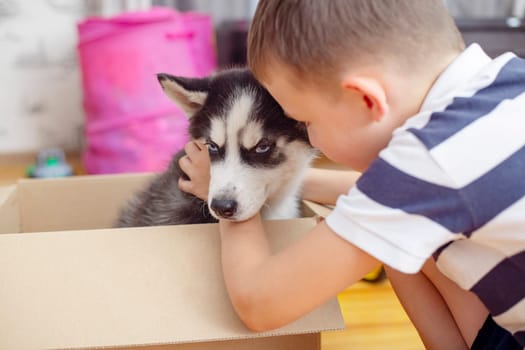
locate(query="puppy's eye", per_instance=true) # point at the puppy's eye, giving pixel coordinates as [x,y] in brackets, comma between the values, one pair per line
[263,147]
[212,146]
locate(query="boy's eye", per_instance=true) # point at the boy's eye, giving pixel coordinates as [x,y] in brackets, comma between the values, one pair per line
[212,146]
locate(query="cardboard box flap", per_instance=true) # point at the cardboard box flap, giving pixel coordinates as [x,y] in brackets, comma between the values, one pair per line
[75,203]
[86,202]
[9,210]
[125,287]
[317,208]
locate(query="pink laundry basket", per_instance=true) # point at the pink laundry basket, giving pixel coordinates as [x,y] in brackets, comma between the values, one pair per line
[130,125]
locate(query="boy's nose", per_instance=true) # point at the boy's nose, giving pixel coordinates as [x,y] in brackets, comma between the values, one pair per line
[225,208]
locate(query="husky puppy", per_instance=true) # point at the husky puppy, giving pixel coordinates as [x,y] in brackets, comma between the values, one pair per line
[258,155]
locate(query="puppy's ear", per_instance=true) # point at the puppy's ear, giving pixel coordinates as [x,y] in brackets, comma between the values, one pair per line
[187,93]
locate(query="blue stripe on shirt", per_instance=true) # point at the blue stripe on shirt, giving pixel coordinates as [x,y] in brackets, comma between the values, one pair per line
[503,286]
[495,191]
[393,188]
[487,196]
[520,336]
[509,83]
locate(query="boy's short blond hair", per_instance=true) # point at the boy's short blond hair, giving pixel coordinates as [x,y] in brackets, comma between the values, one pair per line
[319,38]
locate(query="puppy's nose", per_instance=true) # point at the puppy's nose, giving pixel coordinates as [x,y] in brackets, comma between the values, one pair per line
[225,208]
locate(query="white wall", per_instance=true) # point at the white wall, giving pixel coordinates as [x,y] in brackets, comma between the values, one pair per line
[40,94]
[221,10]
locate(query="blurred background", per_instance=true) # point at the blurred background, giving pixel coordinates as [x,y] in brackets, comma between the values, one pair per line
[67,68]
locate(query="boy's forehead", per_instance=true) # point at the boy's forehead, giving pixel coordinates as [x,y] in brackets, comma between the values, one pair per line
[282,80]
[278,87]
[287,96]
[274,69]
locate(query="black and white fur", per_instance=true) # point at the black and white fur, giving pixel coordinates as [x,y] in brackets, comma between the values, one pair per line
[258,155]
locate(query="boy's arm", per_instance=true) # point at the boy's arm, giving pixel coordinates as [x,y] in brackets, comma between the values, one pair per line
[325,185]
[269,291]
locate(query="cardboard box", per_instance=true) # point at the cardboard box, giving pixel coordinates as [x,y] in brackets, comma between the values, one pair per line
[68,280]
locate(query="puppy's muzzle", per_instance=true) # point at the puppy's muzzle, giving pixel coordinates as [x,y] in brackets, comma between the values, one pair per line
[225,208]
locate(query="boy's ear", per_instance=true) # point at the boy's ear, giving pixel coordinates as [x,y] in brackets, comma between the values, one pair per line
[372,93]
[187,93]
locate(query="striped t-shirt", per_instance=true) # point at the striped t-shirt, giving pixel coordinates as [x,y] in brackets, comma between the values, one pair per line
[451,183]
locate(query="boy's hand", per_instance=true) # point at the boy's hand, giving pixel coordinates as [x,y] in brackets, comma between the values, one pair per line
[196,164]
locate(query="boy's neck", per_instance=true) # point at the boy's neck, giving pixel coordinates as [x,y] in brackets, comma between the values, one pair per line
[408,93]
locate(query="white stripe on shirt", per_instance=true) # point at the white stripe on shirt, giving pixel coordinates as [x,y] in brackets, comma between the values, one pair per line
[467,272]
[510,319]
[505,232]
[408,154]
[475,150]
[399,226]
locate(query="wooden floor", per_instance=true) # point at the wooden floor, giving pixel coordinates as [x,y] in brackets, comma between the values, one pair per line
[373,316]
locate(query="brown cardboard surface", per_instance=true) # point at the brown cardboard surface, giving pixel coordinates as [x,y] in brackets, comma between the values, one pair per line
[127,286]
[76,203]
[82,202]
[9,210]
[124,287]
[308,341]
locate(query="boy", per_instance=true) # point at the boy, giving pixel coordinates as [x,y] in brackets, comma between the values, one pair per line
[388,89]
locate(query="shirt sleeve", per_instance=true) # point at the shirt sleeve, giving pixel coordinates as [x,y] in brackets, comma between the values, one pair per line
[399,214]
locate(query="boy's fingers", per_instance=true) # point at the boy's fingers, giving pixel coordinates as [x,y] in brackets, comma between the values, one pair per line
[197,153]
[195,164]
[185,163]
[188,187]
[185,185]
[200,145]
[190,147]
[194,147]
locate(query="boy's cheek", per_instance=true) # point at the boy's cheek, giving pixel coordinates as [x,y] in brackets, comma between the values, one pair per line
[313,138]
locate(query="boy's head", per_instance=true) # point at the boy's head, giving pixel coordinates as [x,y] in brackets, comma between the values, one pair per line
[351,70]
[319,39]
